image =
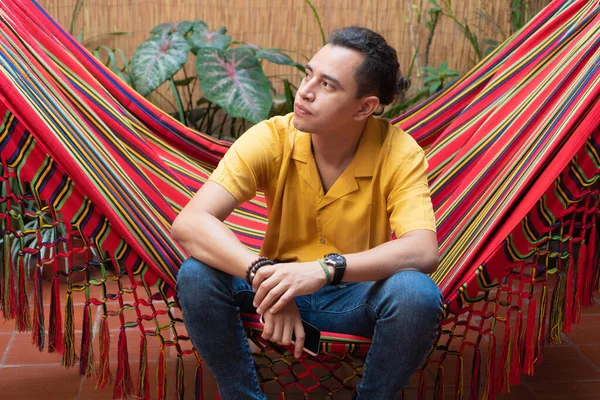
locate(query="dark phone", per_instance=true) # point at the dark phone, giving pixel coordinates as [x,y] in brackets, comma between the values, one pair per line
[312,339]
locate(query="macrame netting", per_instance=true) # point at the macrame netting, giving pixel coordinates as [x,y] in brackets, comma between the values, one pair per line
[514,154]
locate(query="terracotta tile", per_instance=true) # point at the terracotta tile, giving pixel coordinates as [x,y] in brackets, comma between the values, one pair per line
[562,364]
[567,390]
[413,393]
[586,332]
[5,339]
[22,351]
[90,392]
[39,382]
[7,325]
[592,352]
[594,309]
[517,392]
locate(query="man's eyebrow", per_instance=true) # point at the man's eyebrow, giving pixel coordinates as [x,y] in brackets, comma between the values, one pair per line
[327,77]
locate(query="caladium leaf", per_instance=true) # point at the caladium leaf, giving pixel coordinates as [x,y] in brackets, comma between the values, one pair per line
[157,60]
[202,37]
[254,47]
[234,80]
[181,27]
[275,56]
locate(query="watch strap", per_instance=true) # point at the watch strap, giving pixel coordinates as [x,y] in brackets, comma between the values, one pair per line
[338,275]
[339,269]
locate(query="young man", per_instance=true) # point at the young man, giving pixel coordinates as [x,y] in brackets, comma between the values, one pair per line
[338,181]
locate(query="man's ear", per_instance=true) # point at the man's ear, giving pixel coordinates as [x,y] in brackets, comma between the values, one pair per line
[368,106]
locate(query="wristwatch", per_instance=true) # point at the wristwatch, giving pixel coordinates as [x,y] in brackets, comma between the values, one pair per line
[338,262]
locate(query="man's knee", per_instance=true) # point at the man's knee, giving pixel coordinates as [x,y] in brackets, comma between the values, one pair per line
[195,279]
[413,292]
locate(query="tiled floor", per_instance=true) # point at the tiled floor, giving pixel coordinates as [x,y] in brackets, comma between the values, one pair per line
[569,371]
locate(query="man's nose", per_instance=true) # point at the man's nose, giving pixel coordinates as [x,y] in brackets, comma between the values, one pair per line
[305,91]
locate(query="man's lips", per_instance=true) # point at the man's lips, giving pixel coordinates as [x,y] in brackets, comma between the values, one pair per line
[301,110]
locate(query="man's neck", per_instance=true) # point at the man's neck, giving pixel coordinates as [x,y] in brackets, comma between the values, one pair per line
[336,149]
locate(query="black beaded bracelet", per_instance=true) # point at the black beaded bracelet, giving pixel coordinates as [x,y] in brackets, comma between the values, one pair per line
[252,264]
[255,266]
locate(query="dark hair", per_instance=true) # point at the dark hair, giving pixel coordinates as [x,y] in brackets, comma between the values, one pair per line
[379,74]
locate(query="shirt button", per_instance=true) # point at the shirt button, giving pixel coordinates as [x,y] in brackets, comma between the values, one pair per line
[322,241]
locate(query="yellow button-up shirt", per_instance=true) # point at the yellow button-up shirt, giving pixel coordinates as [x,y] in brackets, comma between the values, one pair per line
[383,191]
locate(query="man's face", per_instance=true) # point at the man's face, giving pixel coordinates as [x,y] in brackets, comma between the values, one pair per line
[326,99]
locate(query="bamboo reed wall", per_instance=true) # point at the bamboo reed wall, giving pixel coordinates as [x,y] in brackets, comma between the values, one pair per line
[290,24]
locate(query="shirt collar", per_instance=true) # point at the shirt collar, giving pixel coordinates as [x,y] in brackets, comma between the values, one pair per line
[366,155]
[368,149]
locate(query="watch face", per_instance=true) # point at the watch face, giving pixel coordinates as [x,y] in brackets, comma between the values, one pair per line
[335,259]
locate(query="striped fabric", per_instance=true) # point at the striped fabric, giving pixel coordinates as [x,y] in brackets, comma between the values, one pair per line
[514,154]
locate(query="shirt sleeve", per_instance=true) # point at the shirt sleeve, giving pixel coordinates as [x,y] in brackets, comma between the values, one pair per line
[249,163]
[409,202]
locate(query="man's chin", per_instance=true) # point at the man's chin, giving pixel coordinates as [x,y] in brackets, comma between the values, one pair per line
[300,125]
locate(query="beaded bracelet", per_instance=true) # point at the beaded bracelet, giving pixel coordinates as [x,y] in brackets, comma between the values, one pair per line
[252,264]
[255,266]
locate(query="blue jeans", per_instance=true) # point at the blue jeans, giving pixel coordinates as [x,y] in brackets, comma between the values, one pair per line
[400,313]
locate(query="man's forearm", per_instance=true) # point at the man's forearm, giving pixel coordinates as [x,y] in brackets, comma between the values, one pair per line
[410,252]
[209,240]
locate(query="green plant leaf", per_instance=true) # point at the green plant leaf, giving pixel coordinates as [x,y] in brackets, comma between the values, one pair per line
[300,67]
[275,56]
[235,80]
[158,59]
[434,88]
[314,10]
[185,82]
[181,27]
[430,79]
[202,37]
[250,46]
[177,97]
[289,96]
[489,50]
[491,42]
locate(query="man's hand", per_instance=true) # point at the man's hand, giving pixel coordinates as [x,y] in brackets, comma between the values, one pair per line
[276,285]
[278,327]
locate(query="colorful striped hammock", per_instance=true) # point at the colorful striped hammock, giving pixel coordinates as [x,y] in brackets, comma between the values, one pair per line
[514,152]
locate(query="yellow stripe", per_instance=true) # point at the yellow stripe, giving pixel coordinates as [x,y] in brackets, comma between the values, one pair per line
[63,192]
[83,214]
[22,152]
[44,173]
[9,123]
